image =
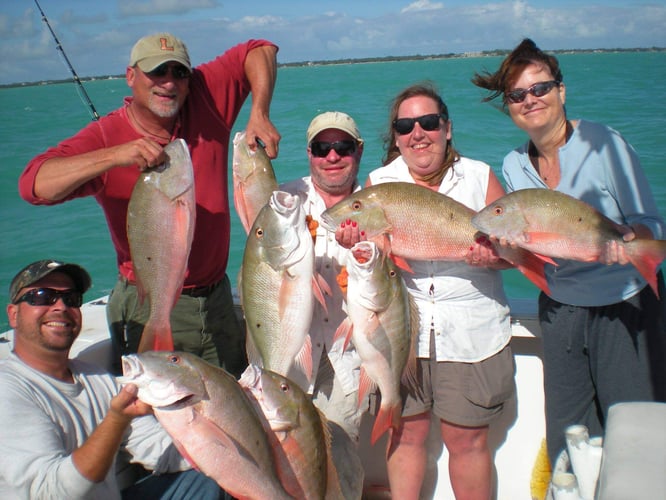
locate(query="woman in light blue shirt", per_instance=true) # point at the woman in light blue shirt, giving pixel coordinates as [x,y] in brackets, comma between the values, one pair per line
[603,328]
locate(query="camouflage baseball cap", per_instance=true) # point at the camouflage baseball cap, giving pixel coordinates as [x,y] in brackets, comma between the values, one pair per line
[37,270]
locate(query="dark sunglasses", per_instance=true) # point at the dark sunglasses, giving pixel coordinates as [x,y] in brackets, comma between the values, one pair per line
[49,296]
[537,90]
[179,72]
[342,148]
[428,123]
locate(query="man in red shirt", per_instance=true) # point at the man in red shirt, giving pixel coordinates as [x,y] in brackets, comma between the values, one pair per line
[170,100]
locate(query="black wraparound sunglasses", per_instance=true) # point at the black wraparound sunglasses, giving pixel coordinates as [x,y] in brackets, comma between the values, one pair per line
[540,89]
[427,122]
[321,149]
[179,72]
[49,296]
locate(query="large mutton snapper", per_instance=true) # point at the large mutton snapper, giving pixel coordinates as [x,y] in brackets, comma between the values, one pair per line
[210,418]
[382,323]
[303,440]
[278,286]
[160,227]
[555,224]
[408,221]
[253,179]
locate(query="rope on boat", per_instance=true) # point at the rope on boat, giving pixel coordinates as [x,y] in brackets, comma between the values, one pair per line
[82,91]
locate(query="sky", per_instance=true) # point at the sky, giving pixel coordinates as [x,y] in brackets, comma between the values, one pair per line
[97,36]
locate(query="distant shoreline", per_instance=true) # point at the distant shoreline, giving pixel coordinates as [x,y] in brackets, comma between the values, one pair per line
[485,53]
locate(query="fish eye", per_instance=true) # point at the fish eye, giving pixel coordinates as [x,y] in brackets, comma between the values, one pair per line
[259,232]
[498,210]
[284,387]
[357,205]
[392,273]
[174,359]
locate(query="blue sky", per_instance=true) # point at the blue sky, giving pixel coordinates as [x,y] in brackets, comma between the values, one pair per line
[97,35]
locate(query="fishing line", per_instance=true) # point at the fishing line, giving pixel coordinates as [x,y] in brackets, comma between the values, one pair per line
[80,88]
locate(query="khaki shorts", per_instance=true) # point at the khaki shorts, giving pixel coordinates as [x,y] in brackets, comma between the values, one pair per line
[467,394]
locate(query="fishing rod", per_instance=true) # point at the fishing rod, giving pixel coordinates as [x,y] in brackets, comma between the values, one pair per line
[82,91]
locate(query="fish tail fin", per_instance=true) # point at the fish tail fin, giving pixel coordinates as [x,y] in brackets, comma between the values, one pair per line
[386,418]
[646,256]
[163,341]
[156,339]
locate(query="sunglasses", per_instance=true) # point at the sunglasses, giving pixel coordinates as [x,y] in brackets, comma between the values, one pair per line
[342,148]
[540,89]
[179,72]
[427,122]
[49,296]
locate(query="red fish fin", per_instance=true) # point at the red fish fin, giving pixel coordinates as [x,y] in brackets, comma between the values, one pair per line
[532,266]
[385,419]
[163,341]
[304,358]
[319,288]
[344,331]
[646,256]
[365,386]
[401,263]
[545,259]
[241,208]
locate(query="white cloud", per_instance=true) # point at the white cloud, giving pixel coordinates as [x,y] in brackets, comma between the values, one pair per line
[155,7]
[422,5]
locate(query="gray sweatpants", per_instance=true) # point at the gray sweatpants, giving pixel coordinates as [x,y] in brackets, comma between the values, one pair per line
[597,356]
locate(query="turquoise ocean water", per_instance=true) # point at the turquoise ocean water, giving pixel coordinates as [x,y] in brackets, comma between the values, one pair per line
[623,90]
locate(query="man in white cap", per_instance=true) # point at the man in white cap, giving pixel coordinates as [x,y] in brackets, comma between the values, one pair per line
[65,421]
[334,148]
[170,99]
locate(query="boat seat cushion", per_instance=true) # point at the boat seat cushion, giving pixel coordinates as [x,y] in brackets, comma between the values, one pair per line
[634,452]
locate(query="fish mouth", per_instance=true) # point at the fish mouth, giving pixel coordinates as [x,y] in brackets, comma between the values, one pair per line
[132,369]
[159,393]
[284,203]
[364,253]
[251,377]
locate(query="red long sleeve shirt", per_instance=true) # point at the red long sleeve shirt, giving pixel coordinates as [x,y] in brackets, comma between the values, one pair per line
[218,90]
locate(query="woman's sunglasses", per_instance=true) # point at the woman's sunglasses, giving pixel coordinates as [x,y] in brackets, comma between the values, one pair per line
[540,89]
[178,71]
[342,148]
[49,296]
[427,122]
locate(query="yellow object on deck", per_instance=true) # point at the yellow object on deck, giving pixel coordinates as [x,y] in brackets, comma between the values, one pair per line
[541,474]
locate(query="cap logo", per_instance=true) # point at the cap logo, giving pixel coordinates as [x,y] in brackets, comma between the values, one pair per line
[164,46]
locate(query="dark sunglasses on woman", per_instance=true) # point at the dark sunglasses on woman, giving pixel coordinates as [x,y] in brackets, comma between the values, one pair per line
[540,89]
[427,122]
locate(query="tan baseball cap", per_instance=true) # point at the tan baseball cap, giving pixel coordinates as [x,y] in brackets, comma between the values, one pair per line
[152,50]
[37,270]
[333,119]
